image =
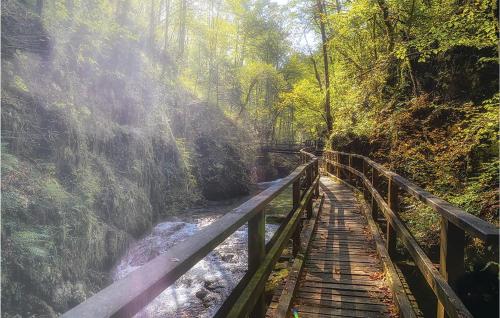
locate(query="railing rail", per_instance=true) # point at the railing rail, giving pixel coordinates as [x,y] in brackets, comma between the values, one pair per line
[126,297]
[455,223]
[282,147]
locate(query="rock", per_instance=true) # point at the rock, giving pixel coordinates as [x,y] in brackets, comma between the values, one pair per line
[187,281]
[227,258]
[213,285]
[201,294]
[210,300]
[207,298]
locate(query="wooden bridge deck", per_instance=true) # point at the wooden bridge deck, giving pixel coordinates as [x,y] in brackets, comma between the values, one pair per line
[342,275]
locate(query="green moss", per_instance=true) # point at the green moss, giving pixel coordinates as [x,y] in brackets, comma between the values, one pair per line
[278,275]
[281,205]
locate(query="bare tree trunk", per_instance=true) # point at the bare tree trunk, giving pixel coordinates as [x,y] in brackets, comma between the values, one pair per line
[122,8]
[182,28]
[39,7]
[70,7]
[167,24]
[328,114]
[152,26]
[315,66]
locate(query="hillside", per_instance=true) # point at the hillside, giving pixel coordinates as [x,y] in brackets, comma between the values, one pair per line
[97,146]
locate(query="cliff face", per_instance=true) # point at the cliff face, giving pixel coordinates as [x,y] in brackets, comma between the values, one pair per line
[97,144]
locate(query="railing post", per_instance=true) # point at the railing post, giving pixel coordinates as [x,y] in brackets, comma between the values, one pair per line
[256,254]
[451,256]
[327,162]
[295,205]
[316,173]
[296,193]
[364,174]
[337,169]
[374,204]
[309,181]
[392,198]
[349,173]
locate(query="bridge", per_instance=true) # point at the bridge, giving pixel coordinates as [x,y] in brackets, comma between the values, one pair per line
[288,148]
[342,264]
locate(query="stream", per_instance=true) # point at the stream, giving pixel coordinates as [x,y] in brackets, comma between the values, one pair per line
[201,290]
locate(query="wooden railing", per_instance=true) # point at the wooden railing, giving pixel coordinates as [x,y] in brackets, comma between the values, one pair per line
[282,147]
[360,171]
[126,297]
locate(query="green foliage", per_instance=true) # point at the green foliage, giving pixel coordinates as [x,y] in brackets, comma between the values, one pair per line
[32,243]
[305,98]
[436,31]
[415,86]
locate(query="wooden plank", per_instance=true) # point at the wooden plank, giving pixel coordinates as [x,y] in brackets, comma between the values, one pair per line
[451,256]
[344,304]
[341,298]
[344,271]
[316,315]
[343,240]
[340,259]
[340,280]
[335,291]
[285,300]
[333,247]
[342,275]
[344,257]
[256,254]
[347,265]
[394,206]
[308,311]
[344,250]
[370,289]
[343,247]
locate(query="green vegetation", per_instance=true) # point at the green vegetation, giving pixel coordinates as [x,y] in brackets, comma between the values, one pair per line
[116,114]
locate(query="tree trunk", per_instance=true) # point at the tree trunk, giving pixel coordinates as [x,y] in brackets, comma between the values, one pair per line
[167,22]
[39,7]
[182,28]
[151,40]
[389,29]
[328,114]
[315,66]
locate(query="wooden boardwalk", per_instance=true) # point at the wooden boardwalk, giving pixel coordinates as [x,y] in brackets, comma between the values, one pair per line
[336,271]
[342,274]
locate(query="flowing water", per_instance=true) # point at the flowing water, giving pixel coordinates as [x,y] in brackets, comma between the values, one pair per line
[202,290]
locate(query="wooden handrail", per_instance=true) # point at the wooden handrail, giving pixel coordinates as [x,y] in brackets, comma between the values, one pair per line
[454,224]
[466,221]
[126,297]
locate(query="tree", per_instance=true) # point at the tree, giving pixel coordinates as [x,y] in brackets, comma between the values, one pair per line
[320,4]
